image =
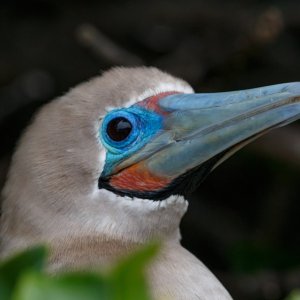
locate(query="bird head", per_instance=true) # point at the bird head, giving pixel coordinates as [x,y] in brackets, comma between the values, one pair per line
[117,154]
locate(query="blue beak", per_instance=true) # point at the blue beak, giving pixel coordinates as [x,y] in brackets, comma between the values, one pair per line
[200,127]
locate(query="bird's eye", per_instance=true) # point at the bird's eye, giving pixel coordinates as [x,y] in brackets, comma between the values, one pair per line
[124,130]
[118,129]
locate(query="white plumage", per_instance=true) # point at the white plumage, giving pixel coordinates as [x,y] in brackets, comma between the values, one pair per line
[52,195]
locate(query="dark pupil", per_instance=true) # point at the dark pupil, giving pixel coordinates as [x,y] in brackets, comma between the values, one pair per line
[118,129]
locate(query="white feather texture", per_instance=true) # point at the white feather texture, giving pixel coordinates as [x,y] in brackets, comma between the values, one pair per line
[52,196]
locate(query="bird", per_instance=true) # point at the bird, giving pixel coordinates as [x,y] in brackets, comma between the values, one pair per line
[107,167]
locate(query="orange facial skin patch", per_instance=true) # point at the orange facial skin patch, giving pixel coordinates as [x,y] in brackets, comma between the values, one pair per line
[137,178]
[151,103]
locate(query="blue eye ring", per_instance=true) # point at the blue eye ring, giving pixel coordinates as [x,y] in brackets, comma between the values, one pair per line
[115,145]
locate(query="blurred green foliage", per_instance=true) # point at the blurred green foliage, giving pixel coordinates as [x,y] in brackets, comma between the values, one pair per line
[22,277]
[295,295]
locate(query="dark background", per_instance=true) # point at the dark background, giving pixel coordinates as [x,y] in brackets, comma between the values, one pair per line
[243,221]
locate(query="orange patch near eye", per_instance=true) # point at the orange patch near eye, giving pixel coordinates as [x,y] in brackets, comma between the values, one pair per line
[138,178]
[151,103]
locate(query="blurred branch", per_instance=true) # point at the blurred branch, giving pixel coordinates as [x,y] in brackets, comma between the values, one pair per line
[92,38]
[268,26]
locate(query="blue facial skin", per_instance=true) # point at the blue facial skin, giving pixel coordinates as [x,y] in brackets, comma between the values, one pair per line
[145,125]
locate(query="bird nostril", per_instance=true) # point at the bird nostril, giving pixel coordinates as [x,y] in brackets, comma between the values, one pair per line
[119,129]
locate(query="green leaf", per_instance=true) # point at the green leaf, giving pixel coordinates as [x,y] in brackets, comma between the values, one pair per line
[128,279]
[12,269]
[73,286]
[294,295]
[21,278]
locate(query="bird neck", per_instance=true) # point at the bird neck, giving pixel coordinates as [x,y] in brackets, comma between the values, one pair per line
[102,216]
[133,219]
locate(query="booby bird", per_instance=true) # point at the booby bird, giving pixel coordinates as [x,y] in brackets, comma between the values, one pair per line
[106,168]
